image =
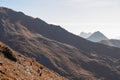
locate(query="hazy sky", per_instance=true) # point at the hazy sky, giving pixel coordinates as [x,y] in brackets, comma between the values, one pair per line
[74,15]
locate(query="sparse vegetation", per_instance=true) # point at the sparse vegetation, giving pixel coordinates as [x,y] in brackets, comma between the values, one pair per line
[23,69]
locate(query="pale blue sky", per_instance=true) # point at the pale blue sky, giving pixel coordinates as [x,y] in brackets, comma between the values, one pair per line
[74,15]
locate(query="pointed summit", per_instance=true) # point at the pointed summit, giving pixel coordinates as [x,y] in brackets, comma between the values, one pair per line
[97,36]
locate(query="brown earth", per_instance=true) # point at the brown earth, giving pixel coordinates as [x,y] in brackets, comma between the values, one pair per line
[22,68]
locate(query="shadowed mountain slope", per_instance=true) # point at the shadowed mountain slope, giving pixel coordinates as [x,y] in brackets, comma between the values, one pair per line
[56,33]
[32,37]
[14,66]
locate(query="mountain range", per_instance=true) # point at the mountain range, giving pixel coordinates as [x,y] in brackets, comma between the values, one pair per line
[57,49]
[100,38]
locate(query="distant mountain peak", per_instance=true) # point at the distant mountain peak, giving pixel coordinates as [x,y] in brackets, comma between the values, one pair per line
[97,36]
[98,32]
[85,35]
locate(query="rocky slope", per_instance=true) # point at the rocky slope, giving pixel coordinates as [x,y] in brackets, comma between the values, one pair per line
[14,66]
[32,37]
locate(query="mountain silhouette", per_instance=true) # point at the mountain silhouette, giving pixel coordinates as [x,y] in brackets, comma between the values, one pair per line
[97,36]
[57,49]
